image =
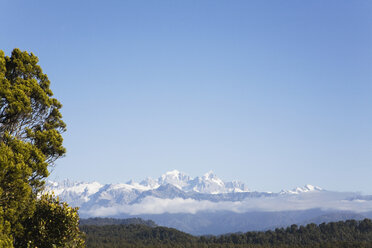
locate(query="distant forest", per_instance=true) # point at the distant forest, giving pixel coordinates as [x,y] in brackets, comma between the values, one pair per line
[139,233]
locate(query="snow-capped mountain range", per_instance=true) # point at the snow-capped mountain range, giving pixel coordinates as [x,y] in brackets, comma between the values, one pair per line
[209,183]
[171,185]
[78,193]
[200,205]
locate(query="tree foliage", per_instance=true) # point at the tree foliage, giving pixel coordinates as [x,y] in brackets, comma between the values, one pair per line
[54,224]
[340,234]
[31,140]
[29,113]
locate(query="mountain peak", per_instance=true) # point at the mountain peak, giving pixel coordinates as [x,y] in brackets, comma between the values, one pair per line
[209,175]
[304,189]
[149,182]
[175,178]
[310,187]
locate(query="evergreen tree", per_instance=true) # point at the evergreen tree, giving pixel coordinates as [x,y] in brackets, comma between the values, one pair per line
[31,130]
[53,224]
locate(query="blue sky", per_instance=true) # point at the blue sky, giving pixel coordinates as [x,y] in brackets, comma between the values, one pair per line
[274,93]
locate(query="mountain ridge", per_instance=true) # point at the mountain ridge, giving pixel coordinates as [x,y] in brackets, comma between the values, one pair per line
[202,204]
[209,183]
[172,184]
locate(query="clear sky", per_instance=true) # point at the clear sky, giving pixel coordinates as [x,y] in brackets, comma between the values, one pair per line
[274,93]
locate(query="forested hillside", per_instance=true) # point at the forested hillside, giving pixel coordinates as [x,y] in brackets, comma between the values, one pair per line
[350,233]
[112,221]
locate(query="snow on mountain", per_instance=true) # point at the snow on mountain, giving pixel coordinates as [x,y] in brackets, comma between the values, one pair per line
[209,183]
[175,178]
[149,182]
[192,202]
[304,189]
[237,186]
[112,194]
[171,188]
[76,193]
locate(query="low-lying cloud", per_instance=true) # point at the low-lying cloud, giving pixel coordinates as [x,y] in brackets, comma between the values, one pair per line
[153,205]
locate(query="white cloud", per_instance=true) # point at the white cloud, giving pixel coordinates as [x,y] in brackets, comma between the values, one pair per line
[153,205]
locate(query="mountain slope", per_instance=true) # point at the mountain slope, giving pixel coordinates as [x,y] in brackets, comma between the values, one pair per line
[203,205]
